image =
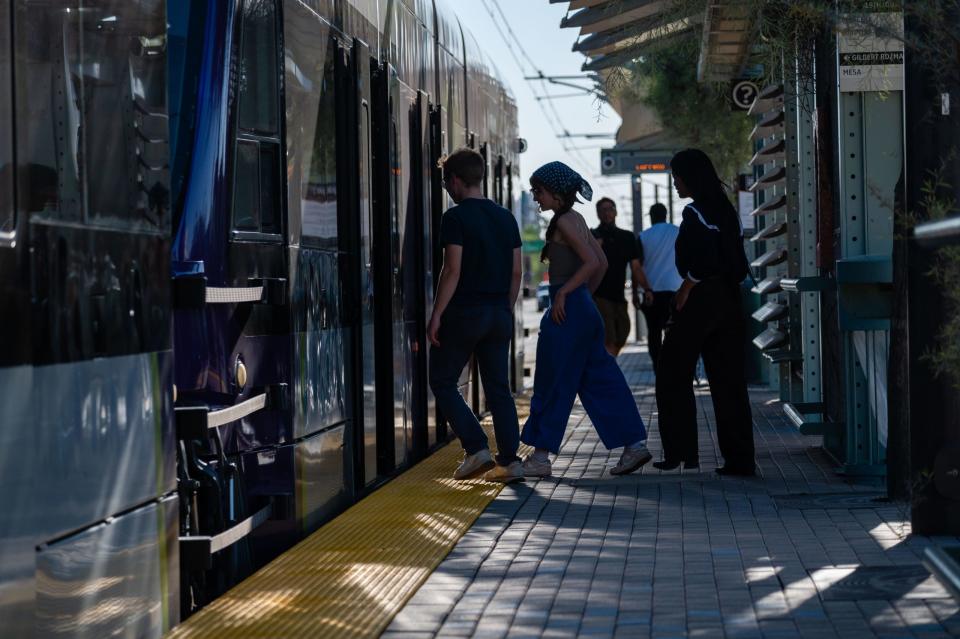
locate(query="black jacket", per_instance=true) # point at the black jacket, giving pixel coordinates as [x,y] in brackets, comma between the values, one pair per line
[710,244]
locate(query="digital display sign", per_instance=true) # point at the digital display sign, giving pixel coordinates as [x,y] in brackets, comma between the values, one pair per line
[634,161]
[651,167]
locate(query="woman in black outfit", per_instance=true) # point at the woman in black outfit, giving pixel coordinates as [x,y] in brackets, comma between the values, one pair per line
[706,319]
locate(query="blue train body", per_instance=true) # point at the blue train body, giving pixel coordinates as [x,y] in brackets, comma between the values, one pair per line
[217,257]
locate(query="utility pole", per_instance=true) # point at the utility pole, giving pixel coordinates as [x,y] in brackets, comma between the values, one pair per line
[637,189]
[636,184]
[670,196]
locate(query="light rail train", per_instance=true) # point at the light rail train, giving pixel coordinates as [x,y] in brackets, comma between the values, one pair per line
[218,252]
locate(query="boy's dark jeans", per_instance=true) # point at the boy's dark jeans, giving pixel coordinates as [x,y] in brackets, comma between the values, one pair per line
[483,331]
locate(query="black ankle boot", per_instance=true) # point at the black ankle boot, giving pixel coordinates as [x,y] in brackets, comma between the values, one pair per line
[671,465]
[666,465]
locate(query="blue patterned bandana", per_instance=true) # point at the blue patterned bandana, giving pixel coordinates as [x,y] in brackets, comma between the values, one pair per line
[561,179]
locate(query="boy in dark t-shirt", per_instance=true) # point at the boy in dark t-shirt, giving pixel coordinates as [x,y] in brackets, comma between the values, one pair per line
[472,315]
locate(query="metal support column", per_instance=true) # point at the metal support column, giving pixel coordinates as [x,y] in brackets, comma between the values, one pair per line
[670,197]
[636,186]
[807,223]
[805,285]
[871,146]
[791,372]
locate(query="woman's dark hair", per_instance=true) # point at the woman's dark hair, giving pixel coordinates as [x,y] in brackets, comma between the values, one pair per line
[694,167]
[567,200]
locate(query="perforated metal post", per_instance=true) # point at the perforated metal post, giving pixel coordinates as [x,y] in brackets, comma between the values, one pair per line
[801,207]
[807,237]
[793,392]
[871,160]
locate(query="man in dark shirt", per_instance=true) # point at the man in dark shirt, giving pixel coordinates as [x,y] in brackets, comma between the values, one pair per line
[473,315]
[620,247]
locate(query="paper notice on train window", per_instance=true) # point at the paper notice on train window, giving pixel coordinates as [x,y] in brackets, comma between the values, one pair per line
[870,49]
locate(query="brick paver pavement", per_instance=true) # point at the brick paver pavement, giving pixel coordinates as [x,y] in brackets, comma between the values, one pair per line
[691,554]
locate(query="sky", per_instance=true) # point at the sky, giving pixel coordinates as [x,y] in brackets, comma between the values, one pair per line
[544,46]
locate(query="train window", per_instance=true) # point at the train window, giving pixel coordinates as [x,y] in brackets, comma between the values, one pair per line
[269,187]
[7,219]
[320,199]
[259,77]
[246,207]
[257,169]
[257,189]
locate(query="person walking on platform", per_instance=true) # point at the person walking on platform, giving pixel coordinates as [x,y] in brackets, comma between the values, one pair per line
[706,319]
[571,357]
[659,263]
[621,249]
[472,315]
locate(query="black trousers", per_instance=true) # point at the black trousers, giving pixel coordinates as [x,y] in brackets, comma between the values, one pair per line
[710,325]
[657,315]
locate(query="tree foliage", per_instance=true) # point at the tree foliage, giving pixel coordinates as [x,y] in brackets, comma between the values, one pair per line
[699,114]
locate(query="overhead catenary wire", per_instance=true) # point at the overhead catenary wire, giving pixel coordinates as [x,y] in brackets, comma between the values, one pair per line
[551,114]
[557,130]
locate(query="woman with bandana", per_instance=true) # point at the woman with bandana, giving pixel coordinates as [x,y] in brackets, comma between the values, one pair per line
[571,357]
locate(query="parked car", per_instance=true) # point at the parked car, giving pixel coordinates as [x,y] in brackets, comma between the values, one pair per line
[543,295]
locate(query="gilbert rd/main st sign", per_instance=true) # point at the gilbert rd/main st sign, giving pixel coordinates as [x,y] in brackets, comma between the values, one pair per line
[632,162]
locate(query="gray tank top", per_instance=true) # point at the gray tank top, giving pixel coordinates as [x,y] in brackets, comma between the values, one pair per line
[564,262]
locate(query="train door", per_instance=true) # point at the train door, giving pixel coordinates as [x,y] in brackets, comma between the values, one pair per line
[320,107]
[365,299]
[439,202]
[516,344]
[393,359]
[408,267]
[419,238]
[85,415]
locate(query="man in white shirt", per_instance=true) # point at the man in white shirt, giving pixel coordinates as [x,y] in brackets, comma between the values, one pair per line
[659,264]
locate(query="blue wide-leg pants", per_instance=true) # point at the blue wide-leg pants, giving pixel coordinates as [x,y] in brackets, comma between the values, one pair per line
[571,361]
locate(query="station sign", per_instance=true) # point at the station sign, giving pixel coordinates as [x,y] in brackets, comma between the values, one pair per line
[870,46]
[743,92]
[633,162]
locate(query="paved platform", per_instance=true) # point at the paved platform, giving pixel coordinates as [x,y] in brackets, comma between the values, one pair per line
[795,552]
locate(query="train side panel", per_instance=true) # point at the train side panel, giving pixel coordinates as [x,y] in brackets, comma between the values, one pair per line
[88,461]
[265,257]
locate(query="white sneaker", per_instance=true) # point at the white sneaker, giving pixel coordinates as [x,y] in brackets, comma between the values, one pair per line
[505,474]
[474,465]
[631,460]
[535,468]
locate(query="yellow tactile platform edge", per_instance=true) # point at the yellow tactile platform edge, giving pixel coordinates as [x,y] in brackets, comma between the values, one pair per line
[353,575]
